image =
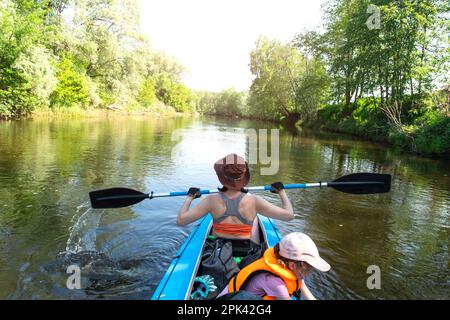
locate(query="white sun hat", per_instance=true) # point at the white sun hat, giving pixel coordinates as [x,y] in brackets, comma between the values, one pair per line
[300,247]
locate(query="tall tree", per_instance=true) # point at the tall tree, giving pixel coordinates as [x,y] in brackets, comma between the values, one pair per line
[401,56]
[286,84]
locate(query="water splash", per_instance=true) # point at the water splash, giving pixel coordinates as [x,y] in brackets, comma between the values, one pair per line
[83,234]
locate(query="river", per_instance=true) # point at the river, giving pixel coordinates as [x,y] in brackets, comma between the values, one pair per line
[48,167]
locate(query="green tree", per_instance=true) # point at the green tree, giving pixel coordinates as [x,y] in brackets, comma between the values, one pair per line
[173,94]
[72,88]
[287,85]
[401,57]
[146,94]
[206,102]
[230,103]
[395,64]
[26,75]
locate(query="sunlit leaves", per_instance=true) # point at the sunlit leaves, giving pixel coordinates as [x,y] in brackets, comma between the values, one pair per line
[286,84]
[72,88]
[79,53]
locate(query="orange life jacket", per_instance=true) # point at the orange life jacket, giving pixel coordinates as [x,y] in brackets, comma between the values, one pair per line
[267,263]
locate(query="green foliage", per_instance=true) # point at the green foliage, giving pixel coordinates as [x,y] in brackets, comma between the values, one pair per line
[105,94]
[16,102]
[206,102]
[435,137]
[26,74]
[173,94]
[402,56]
[429,131]
[146,94]
[72,88]
[180,98]
[385,80]
[34,67]
[286,84]
[81,53]
[229,102]
[368,118]
[362,118]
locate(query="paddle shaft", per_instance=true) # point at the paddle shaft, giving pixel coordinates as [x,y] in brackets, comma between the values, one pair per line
[358,183]
[262,188]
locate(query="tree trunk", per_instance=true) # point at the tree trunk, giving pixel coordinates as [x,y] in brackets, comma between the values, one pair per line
[292,119]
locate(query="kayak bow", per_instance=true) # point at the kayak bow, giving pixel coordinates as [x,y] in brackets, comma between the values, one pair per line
[178,280]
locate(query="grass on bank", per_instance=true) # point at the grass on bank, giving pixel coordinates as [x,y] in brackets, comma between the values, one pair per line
[158,109]
[425,128]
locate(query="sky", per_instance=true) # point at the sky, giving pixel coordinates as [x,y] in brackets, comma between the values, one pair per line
[213,38]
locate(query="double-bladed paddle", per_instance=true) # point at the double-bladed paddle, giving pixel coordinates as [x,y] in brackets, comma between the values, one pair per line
[358,183]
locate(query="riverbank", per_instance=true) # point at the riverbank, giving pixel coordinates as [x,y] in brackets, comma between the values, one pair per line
[426,134]
[429,140]
[76,112]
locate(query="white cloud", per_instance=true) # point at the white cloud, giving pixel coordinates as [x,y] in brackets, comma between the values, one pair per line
[213,38]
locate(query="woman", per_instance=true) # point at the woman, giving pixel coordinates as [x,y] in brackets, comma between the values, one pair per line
[233,211]
[279,274]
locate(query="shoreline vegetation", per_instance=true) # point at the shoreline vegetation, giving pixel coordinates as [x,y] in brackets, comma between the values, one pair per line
[387,83]
[76,112]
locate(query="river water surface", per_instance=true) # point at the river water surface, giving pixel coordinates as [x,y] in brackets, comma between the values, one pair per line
[48,167]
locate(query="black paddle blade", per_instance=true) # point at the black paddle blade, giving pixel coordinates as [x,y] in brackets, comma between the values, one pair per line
[363,183]
[116,198]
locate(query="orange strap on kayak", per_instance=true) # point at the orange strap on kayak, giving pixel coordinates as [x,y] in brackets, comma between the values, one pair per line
[233,229]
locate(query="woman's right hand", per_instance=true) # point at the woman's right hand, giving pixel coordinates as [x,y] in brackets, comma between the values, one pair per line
[194,193]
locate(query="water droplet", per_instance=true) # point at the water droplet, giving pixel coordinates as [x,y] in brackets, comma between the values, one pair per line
[24,267]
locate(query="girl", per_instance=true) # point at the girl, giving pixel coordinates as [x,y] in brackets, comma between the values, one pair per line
[279,274]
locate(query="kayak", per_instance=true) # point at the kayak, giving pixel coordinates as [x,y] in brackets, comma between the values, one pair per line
[178,281]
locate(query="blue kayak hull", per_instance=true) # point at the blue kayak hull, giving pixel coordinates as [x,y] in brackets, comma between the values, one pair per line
[177,282]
